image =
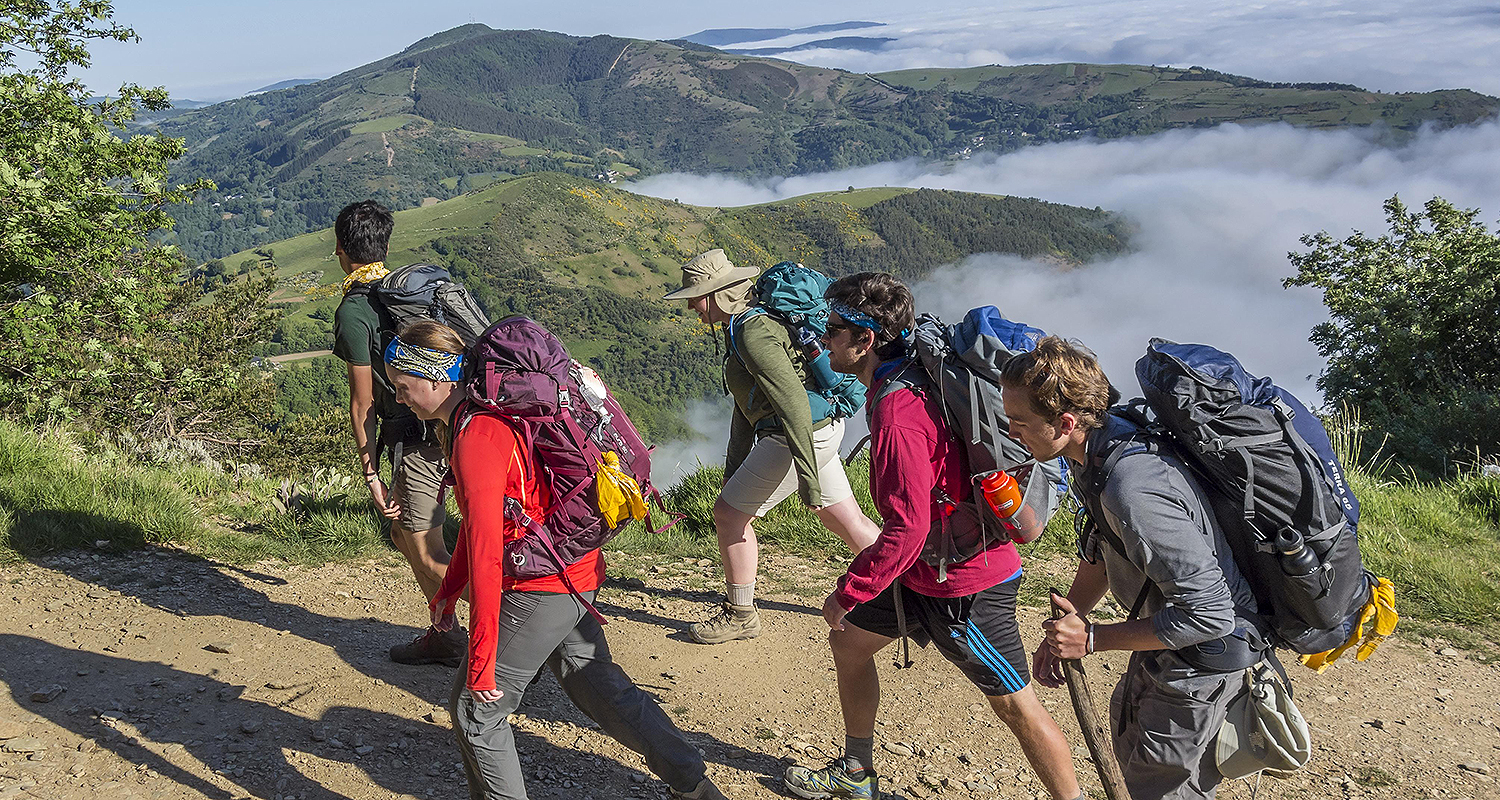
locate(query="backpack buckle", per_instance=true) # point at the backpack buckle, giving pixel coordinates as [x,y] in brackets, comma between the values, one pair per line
[563,399]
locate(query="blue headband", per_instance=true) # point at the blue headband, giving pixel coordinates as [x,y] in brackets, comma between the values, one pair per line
[854,316]
[424,362]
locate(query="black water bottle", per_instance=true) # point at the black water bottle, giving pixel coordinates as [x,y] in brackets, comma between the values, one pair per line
[1295,556]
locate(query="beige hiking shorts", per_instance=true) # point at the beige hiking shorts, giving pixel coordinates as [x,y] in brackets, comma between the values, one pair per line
[417,484]
[767,477]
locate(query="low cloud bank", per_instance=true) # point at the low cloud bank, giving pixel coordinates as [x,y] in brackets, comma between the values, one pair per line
[709,419]
[1385,45]
[1216,211]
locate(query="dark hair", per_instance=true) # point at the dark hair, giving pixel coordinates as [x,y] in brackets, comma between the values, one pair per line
[1062,377]
[882,298]
[363,230]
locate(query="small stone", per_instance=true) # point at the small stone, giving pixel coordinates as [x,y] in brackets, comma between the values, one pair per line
[1449,652]
[10,729]
[88,745]
[1377,724]
[896,748]
[1476,767]
[637,778]
[27,745]
[364,750]
[438,716]
[48,693]
[319,734]
[250,725]
[673,674]
[221,647]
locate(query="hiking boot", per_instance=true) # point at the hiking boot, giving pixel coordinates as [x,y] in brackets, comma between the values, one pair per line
[705,790]
[732,622]
[841,778]
[434,647]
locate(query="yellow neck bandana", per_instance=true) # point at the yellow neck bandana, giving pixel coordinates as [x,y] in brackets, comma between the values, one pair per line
[364,273]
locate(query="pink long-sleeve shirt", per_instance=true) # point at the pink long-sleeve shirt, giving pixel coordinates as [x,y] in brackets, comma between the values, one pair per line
[911,451]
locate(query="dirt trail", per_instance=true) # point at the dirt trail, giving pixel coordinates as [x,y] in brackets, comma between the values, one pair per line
[185,678]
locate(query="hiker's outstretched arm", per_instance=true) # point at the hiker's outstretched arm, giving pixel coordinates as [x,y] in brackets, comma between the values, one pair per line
[362,418]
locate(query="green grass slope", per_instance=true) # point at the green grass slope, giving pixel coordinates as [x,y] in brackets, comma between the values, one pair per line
[456,110]
[591,262]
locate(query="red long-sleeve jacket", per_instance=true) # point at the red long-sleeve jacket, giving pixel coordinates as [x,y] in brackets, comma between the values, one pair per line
[490,463]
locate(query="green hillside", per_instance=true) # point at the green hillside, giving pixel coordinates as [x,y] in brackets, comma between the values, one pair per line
[460,109]
[591,262]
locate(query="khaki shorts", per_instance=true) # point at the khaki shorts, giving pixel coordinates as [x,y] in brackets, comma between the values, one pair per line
[417,485]
[767,476]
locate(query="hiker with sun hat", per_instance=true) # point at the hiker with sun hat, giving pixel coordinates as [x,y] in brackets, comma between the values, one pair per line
[776,444]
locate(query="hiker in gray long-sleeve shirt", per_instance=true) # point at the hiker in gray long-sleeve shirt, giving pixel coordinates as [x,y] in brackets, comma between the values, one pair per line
[1155,546]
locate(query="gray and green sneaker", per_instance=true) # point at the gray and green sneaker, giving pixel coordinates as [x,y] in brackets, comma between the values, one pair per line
[835,780]
[732,622]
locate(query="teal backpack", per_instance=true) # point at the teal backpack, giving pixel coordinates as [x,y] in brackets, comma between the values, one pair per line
[793,295]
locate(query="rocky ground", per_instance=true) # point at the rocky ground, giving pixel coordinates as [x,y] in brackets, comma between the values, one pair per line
[158,674]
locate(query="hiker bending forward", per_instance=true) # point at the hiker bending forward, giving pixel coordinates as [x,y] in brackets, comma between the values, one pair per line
[1154,544]
[775,446]
[971,616]
[519,625]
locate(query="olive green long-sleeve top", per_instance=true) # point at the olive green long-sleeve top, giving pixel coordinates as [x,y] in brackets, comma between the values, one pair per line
[766,373]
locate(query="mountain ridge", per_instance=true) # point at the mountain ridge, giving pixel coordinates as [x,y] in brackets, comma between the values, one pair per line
[465,106]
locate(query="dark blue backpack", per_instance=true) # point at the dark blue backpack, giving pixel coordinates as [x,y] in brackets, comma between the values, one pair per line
[1278,490]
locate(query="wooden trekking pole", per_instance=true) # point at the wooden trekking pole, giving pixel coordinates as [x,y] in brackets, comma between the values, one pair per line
[1095,729]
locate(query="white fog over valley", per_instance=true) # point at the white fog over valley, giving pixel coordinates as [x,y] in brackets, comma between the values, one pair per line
[1215,212]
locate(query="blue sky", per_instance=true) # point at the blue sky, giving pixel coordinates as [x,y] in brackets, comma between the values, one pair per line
[1391,45]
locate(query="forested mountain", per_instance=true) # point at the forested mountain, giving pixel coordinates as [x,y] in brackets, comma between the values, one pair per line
[464,107]
[592,262]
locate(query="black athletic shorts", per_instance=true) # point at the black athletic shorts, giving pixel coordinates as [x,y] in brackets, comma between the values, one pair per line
[977,632]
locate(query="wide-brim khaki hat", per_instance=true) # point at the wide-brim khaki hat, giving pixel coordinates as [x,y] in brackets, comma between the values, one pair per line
[708,273]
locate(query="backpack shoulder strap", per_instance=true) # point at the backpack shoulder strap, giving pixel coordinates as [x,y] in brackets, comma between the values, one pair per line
[737,324]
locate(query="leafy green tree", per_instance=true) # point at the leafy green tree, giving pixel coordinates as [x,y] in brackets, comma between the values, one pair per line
[98,321]
[1412,340]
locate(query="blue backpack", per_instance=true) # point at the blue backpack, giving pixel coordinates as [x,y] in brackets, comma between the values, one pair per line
[1278,490]
[793,295]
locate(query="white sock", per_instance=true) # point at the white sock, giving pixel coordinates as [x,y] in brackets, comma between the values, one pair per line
[740,594]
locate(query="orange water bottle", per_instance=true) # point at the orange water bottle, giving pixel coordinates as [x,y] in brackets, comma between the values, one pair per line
[1003,493]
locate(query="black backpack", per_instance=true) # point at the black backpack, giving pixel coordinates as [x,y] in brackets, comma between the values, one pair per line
[425,291]
[962,364]
[1276,487]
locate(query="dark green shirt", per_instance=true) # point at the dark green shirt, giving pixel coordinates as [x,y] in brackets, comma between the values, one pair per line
[359,339]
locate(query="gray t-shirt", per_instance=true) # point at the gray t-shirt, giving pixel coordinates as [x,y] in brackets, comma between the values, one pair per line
[1172,541]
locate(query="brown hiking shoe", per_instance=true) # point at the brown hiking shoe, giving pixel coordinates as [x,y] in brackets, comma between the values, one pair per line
[434,647]
[732,622]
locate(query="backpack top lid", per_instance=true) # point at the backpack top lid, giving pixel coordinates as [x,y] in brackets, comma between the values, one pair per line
[985,340]
[519,368]
[414,280]
[1211,368]
[795,294]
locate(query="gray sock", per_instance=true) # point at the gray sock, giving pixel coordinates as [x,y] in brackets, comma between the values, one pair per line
[860,751]
[740,594]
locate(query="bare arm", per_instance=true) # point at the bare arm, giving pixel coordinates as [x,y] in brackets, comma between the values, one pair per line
[363,421]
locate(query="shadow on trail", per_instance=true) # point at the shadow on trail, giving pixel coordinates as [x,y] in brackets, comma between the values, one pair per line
[152,714]
[188,585]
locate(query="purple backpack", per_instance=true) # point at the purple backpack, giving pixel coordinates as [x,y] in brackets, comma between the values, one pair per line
[564,414]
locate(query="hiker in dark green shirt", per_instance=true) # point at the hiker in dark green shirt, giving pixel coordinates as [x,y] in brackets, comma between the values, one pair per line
[775,446]
[413,501]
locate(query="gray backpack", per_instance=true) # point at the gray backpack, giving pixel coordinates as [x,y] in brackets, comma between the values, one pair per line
[962,364]
[426,291]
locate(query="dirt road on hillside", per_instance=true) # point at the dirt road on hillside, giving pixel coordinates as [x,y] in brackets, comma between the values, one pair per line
[162,675]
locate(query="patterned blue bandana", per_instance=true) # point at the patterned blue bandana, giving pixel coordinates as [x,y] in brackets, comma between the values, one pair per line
[423,362]
[853,316]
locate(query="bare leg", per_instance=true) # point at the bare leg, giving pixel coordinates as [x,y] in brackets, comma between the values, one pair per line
[1041,740]
[737,544]
[426,552]
[846,520]
[854,652]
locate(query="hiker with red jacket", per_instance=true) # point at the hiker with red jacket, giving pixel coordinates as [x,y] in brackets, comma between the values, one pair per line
[969,612]
[518,625]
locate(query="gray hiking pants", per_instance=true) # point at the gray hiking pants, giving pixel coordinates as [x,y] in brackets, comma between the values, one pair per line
[550,628]
[1165,731]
